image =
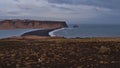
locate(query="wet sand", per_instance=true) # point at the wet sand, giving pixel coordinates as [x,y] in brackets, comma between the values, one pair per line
[54,52]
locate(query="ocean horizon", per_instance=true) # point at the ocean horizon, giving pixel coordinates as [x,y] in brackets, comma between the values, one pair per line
[82,31]
[88,31]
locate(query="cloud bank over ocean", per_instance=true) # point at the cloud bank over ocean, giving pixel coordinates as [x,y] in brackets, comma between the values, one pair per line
[79,11]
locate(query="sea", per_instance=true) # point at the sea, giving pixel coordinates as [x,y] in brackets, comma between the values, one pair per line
[14,32]
[82,31]
[88,31]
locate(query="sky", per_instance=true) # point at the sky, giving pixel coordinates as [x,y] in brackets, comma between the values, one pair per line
[71,11]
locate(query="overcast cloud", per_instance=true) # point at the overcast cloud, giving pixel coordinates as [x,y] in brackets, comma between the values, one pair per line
[73,11]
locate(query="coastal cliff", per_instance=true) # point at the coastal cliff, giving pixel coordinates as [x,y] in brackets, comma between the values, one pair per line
[21,24]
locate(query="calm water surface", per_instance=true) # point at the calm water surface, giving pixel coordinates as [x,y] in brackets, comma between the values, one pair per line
[89,31]
[14,32]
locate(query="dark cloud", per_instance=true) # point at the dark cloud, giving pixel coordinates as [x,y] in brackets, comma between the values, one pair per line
[37,0]
[64,1]
[114,4]
[23,7]
[12,12]
[17,0]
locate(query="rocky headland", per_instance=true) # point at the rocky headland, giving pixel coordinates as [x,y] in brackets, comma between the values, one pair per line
[22,24]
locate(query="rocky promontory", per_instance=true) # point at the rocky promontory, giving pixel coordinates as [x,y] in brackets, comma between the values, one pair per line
[21,24]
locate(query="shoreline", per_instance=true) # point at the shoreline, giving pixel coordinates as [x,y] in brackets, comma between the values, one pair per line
[51,33]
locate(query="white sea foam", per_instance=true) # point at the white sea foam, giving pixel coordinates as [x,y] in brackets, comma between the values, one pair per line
[52,32]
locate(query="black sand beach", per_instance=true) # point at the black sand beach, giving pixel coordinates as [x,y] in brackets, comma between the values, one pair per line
[44,32]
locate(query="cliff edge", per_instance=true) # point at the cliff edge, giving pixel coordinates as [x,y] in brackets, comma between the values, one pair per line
[21,24]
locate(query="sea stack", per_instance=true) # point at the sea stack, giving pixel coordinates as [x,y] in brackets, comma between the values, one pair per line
[22,24]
